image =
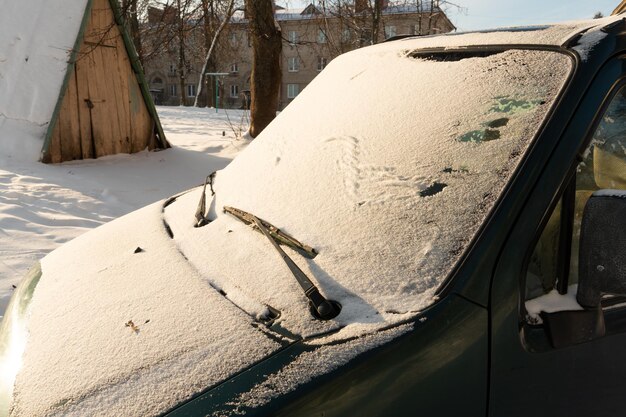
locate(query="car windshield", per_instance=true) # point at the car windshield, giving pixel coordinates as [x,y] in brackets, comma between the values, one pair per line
[387,164]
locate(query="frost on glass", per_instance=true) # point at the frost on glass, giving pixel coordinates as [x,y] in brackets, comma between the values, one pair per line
[387,164]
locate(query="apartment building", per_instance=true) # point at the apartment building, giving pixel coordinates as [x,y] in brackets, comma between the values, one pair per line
[312,37]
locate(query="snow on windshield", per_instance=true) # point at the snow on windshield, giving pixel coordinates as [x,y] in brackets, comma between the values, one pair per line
[387,164]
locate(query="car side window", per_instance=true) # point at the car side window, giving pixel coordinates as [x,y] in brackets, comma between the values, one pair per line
[603,166]
[552,272]
[541,275]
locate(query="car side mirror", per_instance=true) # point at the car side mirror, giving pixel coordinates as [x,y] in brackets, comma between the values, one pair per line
[601,270]
[602,256]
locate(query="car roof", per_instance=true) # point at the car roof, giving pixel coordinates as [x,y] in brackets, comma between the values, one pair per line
[560,34]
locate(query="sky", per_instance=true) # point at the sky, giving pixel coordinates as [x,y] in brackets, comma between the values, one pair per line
[484,14]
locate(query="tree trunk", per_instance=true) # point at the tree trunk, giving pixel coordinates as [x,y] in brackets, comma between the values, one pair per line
[266,73]
[208,13]
[131,23]
[181,53]
[134,30]
[375,21]
[430,17]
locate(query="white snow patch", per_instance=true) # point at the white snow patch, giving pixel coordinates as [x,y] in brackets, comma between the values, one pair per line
[587,42]
[610,193]
[84,358]
[552,302]
[43,206]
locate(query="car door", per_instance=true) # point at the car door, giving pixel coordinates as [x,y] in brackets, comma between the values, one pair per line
[531,374]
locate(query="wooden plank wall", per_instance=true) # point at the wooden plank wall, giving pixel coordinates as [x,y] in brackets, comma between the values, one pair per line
[103,111]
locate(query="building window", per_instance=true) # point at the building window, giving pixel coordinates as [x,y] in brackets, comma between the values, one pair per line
[232,37]
[390,32]
[366,37]
[234,91]
[172,69]
[321,36]
[173,91]
[292,90]
[157,80]
[234,68]
[293,37]
[294,64]
[191,90]
[346,35]
[321,63]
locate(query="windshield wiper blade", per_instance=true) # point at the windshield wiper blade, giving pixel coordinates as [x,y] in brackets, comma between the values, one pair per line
[321,308]
[276,234]
[201,218]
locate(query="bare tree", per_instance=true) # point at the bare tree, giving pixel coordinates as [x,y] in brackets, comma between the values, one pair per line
[375,7]
[266,73]
[131,21]
[361,17]
[170,30]
[189,34]
[181,6]
[364,20]
[209,18]
[210,45]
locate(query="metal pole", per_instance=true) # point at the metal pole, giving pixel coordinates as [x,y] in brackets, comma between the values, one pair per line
[216,74]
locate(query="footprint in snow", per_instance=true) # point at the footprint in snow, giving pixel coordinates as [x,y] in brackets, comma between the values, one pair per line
[370,184]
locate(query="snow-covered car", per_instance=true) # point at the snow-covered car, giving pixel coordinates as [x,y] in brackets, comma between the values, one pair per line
[406,238]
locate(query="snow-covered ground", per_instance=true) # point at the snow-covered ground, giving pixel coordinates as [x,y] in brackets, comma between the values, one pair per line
[43,206]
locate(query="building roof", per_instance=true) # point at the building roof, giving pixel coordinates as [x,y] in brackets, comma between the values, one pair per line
[313,12]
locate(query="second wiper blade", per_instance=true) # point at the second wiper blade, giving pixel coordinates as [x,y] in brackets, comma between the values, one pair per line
[276,234]
[202,219]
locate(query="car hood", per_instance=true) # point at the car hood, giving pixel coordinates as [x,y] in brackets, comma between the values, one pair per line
[120,320]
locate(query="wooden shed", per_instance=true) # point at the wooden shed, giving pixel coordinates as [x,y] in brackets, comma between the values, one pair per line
[104,106]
